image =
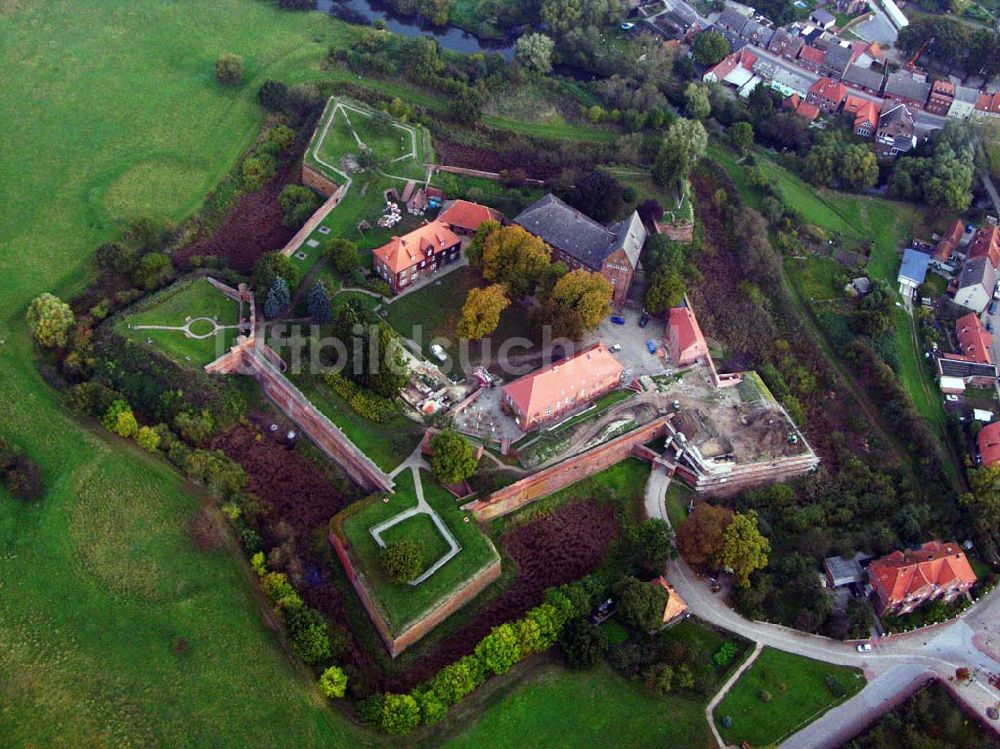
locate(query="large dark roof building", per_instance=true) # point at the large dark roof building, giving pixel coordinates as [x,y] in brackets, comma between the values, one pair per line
[581,242]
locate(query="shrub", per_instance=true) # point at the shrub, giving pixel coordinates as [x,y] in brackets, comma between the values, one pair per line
[110,417]
[281,137]
[155,269]
[833,684]
[125,425]
[257,170]
[454,458]
[344,255]
[453,682]
[660,678]
[333,683]
[148,439]
[297,204]
[363,402]
[583,645]
[229,69]
[195,428]
[432,709]
[499,650]
[765,696]
[402,560]
[49,320]
[307,633]
[19,474]
[214,470]
[273,96]
[725,654]
[400,714]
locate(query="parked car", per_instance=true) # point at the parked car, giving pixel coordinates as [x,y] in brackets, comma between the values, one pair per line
[618,319]
[865,647]
[992,308]
[989,327]
[651,346]
[438,352]
[615,348]
[643,320]
[951,398]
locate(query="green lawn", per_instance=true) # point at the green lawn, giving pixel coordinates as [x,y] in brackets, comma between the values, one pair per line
[387,444]
[818,278]
[115,630]
[560,708]
[401,603]
[419,528]
[678,497]
[187,299]
[798,694]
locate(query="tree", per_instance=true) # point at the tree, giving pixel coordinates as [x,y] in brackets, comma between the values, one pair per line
[599,195]
[308,633]
[114,257]
[744,548]
[318,303]
[402,560]
[298,203]
[666,289]
[214,470]
[660,678]
[148,439]
[333,683]
[400,714]
[474,250]
[270,267]
[858,167]
[684,143]
[652,543]
[499,650]
[257,169]
[641,604]
[273,96]
[583,645]
[700,536]
[197,428]
[49,320]
[125,425]
[876,312]
[588,294]
[515,258]
[344,255]
[741,135]
[696,103]
[534,51]
[154,270]
[454,458]
[983,502]
[384,371]
[453,682]
[278,298]
[229,69]
[432,708]
[709,48]
[481,311]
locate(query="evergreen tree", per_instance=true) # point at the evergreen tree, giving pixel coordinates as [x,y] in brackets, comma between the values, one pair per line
[278,298]
[318,303]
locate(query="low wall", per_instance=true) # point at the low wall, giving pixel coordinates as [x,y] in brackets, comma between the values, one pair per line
[477,173]
[315,220]
[445,608]
[568,472]
[320,183]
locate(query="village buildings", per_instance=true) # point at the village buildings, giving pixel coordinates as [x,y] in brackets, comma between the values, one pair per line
[904,580]
[896,132]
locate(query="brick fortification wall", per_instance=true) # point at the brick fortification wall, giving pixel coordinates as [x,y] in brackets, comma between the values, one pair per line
[323,185]
[445,608]
[565,473]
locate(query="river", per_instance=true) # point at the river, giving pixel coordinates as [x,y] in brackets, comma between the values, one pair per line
[448,37]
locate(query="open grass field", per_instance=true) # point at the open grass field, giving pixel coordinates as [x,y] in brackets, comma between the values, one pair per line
[401,603]
[566,709]
[387,444]
[115,631]
[173,306]
[419,528]
[678,497]
[798,694]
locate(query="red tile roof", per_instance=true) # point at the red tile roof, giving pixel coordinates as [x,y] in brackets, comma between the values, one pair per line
[792,102]
[586,372]
[684,329]
[989,443]
[400,253]
[949,241]
[813,55]
[466,215]
[807,110]
[973,338]
[986,242]
[988,103]
[829,89]
[866,112]
[916,574]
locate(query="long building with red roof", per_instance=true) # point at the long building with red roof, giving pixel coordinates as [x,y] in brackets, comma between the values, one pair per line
[973,339]
[562,387]
[904,580]
[422,252]
[465,217]
[685,341]
[986,243]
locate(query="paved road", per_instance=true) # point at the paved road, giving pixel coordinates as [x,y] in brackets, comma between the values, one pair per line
[895,668]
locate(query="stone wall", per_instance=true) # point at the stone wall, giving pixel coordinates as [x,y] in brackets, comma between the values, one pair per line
[445,608]
[567,472]
[321,184]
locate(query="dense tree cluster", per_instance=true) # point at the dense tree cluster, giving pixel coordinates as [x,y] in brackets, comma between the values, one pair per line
[454,458]
[834,162]
[939,174]
[952,44]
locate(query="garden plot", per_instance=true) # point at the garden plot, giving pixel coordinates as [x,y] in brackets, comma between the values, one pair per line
[192,322]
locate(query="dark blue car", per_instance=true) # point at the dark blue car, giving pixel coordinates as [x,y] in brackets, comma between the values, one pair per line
[618,319]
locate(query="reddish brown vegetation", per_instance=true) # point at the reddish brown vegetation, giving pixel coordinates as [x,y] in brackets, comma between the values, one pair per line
[250,228]
[555,549]
[204,530]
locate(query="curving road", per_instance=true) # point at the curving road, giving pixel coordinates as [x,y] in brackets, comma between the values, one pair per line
[895,668]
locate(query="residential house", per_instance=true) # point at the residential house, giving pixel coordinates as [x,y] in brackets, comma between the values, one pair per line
[986,243]
[896,133]
[941,98]
[974,340]
[735,69]
[422,252]
[565,386]
[869,55]
[808,112]
[827,94]
[785,44]
[964,104]
[909,89]
[465,217]
[904,580]
[852,7]
[675,605]
[864,79]
[949,242]
[730,23]
[822,19]
[756,33]
[581,242]
[912,271]
[976,284]
[987,106]
[957,369]
[865,114]
[836,60]
[685,343]
[784,78]
[988,441]
[811,58]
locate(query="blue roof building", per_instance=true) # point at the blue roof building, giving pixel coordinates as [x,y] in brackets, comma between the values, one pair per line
[913,271]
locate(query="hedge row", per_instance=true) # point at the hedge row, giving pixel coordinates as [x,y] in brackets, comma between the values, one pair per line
[363,402]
